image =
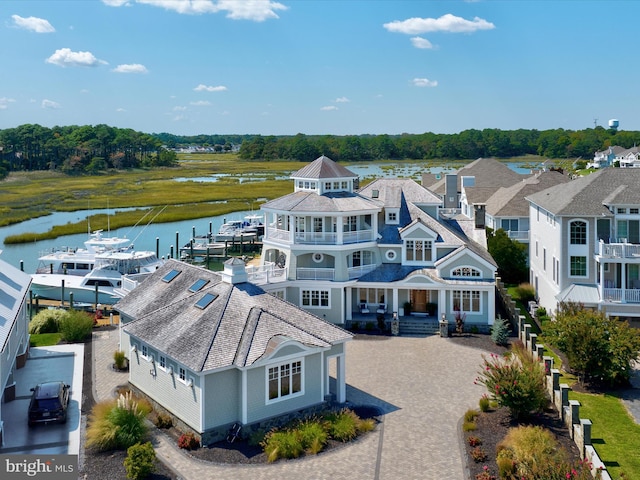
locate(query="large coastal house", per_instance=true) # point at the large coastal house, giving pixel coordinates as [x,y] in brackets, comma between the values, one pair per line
[349,254]
[605,158]
[215,350]
[585,242]
[14,330]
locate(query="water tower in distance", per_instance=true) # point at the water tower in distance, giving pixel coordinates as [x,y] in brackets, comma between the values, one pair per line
[613,124]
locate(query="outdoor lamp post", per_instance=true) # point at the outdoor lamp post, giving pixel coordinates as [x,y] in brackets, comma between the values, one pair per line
[395,324]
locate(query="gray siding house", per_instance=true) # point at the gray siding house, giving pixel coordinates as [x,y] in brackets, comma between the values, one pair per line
[585,242]
[213,349]
[14,330]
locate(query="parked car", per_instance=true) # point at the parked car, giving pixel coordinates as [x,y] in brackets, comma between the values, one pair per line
[49,403]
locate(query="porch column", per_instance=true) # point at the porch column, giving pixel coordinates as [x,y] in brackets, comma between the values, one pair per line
[341,384]
[291,221]
[601,282]
[442,301]
[348,303]
[623,296]
[394,297]
[340,230]
[491,307]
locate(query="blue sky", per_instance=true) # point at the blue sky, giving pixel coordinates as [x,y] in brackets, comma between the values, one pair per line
[319,67]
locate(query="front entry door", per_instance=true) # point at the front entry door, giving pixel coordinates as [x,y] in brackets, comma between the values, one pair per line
[419,301]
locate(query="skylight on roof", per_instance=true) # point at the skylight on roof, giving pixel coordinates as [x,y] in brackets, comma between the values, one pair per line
[375,194]
[171,275]
[198,285]
[206,300]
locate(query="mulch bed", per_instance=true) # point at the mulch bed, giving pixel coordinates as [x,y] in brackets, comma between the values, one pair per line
[492,427]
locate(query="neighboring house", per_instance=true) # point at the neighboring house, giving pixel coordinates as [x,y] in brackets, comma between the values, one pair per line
[214,349]
[629,158]
[508,209]
[347,254]
[14,330]
[605,158]
[480,179]
[585,242]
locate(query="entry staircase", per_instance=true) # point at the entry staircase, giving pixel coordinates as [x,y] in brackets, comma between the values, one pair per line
[418,326]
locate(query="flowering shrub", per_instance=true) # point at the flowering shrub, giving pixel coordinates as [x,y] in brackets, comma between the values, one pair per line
[474,441]
[478,454]
[485,474]
[188,441]
[484,403]
[514,381]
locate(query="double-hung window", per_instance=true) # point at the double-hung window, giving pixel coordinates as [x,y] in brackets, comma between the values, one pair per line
[418,250]
[315,298]
[578,266]
[578,233]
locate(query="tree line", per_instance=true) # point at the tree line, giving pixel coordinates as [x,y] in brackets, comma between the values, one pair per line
[468,144]
[79,149]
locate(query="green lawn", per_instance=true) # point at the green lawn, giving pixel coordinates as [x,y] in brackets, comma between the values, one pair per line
[45,339]
[614,434]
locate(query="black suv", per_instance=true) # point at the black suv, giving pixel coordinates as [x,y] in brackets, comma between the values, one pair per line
[49,403]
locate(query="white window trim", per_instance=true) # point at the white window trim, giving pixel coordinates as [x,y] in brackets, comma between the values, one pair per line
[470,312]
[586,275]
[405,249]
[166,365]
[317,257]
[279,398]
[319,290]
[461,267]
[186,379]
[390,255]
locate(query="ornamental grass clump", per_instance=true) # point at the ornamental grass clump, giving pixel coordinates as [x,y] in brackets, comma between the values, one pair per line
[515,381]
[117,425]
[532,453]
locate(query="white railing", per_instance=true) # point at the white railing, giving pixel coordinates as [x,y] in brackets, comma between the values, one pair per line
[267,273]
[303,273]
[277,234]
[619,250]
[357,272]
[320,238]
[518,235]
[316,238]
[357,236]
[631,295]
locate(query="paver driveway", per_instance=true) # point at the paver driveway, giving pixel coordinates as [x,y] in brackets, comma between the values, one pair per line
[424,386]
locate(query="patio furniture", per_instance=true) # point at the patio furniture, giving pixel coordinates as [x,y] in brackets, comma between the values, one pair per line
[364,308]
[382,308]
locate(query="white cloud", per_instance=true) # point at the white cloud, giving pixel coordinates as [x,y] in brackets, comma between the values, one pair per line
[342,100]
[420,42]
[201,103]
[329,108]
[84,91]
[206,88]
[50,104]
[120,109]
[179,118]
[424,82]
[116,3]
[179,109]
[130,68]
[255,10]
[4,102]
[34,24]
[64,57]
[446,23]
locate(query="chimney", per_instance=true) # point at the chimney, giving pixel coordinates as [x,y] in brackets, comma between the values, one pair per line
[479,215]
[451,191]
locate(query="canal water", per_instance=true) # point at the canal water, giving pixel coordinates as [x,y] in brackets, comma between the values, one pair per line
[144,236]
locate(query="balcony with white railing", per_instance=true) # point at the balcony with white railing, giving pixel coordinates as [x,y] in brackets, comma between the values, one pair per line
[521,236]
[320,238]
[619,250]
[631,295]
[357,272]
[267,273]
[304,273]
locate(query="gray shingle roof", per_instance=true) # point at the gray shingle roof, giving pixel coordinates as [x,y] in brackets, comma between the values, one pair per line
[588,195]
[303,201]
[235,329]
[510,202]
[488,172]
[323,167]
[389,190]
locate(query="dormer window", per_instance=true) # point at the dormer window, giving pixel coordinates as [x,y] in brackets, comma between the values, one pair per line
[418,250]
[375,193]
[392,216]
